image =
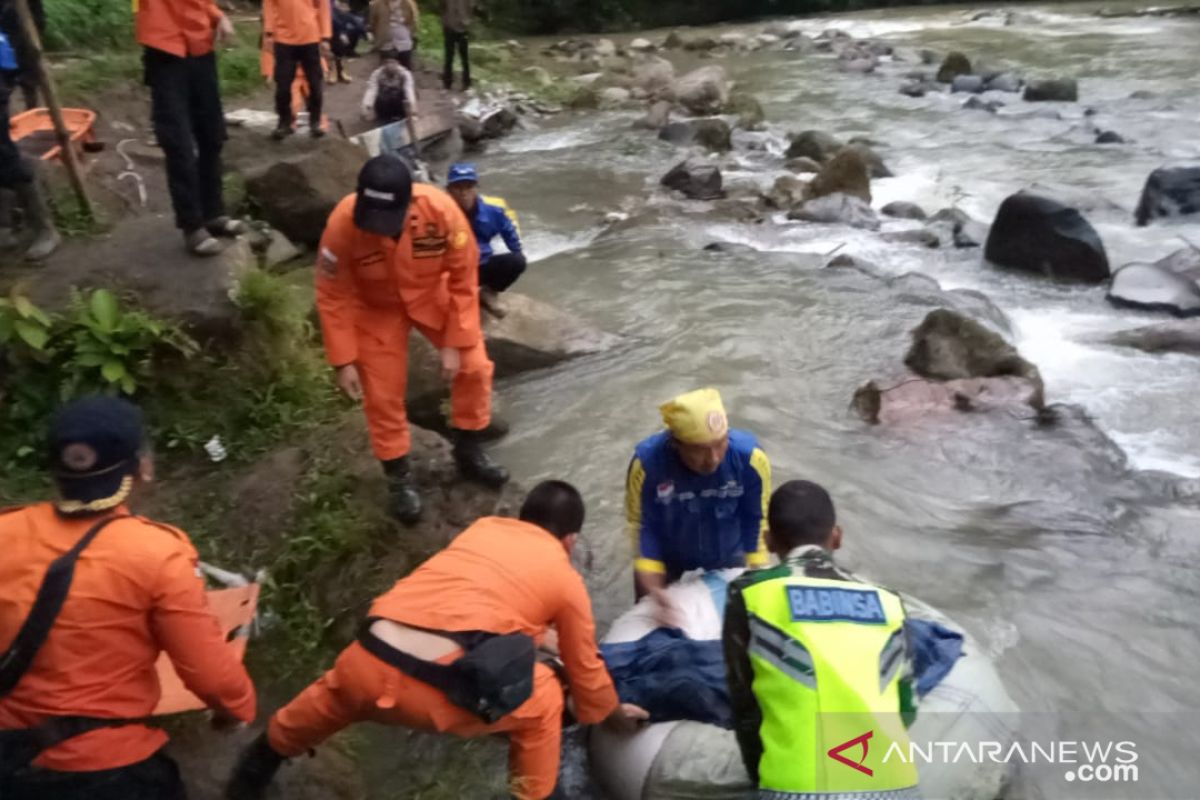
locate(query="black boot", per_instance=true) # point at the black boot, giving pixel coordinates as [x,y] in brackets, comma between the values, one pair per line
[255,769]
[404,499]
[474,464]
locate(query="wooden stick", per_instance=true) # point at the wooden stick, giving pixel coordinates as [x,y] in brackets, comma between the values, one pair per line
[60,127]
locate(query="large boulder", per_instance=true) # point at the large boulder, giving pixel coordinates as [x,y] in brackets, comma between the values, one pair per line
[1059,89]
[711,133]
[847,173]
[914,399]
[874,161]
[703,91]
[498,122]
[955,64]
[957,228]
[654,76]
[1169,192]
[749,111]
[904,210]
[296,195]
[696,180]
[1005,82]
[1039,235]
[817,145]
[840,209]
[969,84]
[1171,285]
[657,116]
[948,345]
[1177,336]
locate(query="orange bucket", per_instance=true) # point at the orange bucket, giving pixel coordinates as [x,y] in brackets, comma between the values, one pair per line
[33,131]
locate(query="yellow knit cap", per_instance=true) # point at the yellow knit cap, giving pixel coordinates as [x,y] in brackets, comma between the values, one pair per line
[696,417]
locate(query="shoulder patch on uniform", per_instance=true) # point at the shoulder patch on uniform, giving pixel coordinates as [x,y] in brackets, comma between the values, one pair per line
[459,241]
[828,604]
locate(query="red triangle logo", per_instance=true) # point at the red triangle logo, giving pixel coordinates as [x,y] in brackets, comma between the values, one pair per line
[864,740]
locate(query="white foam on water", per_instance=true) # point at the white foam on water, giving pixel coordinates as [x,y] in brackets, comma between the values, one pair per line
[540,243]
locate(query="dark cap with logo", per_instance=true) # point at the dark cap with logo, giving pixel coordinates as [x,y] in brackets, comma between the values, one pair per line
[94,447]
[384,192]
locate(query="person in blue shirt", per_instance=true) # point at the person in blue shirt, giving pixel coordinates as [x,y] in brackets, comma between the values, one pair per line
[490,217]
[696,494]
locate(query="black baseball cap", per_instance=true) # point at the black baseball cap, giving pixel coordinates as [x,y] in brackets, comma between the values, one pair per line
[94,448]
[384,192]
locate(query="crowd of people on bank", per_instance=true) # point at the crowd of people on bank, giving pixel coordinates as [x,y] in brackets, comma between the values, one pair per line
[494,634]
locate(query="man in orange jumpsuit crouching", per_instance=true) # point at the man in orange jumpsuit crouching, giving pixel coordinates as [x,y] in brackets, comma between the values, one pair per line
[480,606]
[395,257]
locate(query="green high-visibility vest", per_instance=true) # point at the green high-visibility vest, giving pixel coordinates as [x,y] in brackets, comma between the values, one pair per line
[827,657]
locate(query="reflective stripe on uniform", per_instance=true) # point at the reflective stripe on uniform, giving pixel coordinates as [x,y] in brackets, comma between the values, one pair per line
[891,658]
[782,652]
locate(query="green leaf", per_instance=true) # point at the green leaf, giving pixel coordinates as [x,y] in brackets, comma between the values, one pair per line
[90,359]
[32,334]
[113,371]
[24,307]
[128,384]
[105,309]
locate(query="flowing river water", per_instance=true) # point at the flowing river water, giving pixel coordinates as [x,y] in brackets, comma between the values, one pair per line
[1055,547]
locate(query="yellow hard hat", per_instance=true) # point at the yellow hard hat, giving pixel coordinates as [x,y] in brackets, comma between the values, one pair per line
[696,417]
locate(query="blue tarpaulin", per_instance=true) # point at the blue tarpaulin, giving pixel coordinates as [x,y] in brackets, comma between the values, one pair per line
[676,678]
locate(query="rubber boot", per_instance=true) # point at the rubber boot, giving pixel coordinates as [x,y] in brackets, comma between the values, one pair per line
[255,769]
[403,498]
[474,464]
[8,239]
[46,238]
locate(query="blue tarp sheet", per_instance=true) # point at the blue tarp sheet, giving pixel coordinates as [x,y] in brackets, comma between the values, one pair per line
[676,678]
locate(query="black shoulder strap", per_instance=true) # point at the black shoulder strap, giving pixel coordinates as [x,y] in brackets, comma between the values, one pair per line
[50,598]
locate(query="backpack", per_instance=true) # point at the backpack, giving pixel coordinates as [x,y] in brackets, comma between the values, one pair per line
[391,103]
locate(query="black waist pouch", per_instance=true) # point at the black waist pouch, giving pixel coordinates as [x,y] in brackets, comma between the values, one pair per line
[493,678]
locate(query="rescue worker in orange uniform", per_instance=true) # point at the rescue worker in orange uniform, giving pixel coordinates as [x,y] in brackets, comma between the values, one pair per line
[499,576]
[395,257]
[301,31]
[135,593]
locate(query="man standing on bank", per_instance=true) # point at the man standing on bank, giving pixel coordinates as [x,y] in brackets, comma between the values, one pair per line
[178,39]
[302,30]
[396,257]
[456,20]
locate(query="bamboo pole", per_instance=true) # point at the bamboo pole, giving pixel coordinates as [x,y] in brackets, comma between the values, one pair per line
[69,158]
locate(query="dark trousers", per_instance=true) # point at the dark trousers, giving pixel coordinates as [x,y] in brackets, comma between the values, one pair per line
[156,778]
[501,271]
[308,56]
[459,41]
[185,106]
[14,170]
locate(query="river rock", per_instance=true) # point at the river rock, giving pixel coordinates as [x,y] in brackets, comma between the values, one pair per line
[955,64]
[673,41]
[655,75]
[1060,89]
[970,84]
[615,96]
[913,399]
[837,209]
[499,123]
[957,228]
[1171,284]
[1169,192]
[918,88]
[642,46]
[1039,235]
[704,91]
[749,111]
[875,165]
[1179,336]
[1005,82]
[846,173]
[657,116]
[296,195]
[1109,137]
[787,192]
[920,236]
[802,164]
[979,104]
[817,145]
[729,248]
[701,44]
[604,48]
[948,345]
[904,210]
[696,180]
[712,133]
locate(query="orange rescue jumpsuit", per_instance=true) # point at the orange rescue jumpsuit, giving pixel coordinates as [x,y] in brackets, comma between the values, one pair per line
[136,592]
[501,576]
[371,290]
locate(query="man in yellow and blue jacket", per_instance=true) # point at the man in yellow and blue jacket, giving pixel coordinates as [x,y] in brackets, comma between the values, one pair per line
[819,666]
[489,217]
[696,494]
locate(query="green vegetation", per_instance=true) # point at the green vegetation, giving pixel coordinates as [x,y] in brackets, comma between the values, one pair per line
[87,25]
